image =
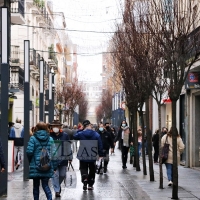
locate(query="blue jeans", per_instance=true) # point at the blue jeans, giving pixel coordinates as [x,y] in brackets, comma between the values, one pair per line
[169,168]
[45,186]
[139,148]
[58,177]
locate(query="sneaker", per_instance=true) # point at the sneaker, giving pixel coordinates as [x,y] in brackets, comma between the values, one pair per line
[170,183]
[85,185]
[124,167]
[105,170]
[90,187]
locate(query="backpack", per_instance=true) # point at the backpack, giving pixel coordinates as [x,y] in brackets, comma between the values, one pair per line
[44,164]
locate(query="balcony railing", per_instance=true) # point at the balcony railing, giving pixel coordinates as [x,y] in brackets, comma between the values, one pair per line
[15,54]
[17,78]
[52,56]
[18,7]
[32,57]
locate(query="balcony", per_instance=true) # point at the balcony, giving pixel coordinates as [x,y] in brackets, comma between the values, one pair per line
[16,78]
[52,60]
[15,56]
[17,12]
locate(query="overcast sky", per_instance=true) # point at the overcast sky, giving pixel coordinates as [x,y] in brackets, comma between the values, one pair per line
[89,15]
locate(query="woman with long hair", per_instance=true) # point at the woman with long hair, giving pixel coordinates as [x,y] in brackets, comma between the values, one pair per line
[125,139]
[169,162]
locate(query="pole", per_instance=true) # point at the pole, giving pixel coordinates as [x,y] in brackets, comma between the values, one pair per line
[5,24]
[51,96]
[41,115]
[26,104]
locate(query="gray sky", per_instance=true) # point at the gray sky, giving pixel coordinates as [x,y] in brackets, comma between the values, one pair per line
[89,15]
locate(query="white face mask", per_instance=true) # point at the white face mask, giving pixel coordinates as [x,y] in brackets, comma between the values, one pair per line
[55,130]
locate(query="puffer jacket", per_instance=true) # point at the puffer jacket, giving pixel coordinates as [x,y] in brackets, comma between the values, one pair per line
[106,140]
[89,134]
[33,152]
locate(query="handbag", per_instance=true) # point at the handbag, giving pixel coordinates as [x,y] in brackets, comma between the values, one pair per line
[71,179]
[165,151]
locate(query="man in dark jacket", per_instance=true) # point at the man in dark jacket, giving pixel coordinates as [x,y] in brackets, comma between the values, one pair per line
[60,139]
[107,144]
[2,160]
[87,166]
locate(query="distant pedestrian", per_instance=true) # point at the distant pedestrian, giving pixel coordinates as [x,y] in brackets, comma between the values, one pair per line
[88,167]
[107,144]
[164,131]
[169,162]
[2,159]
[60,172]
[113,136]
[39,140]
[80,126]
[17,134]
[125,139]
[66,129]
[74,131]
[155,140]
[139,141]
[119,134]
[10,125]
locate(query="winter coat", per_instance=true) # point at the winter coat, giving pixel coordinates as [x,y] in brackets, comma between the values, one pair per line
[106,140]
[155,140]
[69,133]
[2,160]
[180,148]
[33,152]
[63,137]
[89,134]
[17,134]
[119,137]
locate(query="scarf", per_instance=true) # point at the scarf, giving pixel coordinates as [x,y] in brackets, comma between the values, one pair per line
[126,138]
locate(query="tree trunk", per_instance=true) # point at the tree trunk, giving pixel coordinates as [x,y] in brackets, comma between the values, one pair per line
[135,134]
[174,144]
[143,144]
[160,148]
[149,142]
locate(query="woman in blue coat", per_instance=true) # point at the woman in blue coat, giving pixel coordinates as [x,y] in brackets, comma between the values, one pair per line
[39,140]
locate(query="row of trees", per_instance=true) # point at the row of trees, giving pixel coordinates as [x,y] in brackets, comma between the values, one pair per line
[71,95]
[104,110]
[153,50]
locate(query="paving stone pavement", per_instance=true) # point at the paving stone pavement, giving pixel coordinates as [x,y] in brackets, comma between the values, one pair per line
[116,184]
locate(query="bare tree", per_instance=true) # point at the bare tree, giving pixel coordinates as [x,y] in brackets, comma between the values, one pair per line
[83,108]
[171,24]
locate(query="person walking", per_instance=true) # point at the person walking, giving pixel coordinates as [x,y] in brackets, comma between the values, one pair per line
[169,162]
[17,134]
[139,141]
[74,131]
[60,172]
[88,167]
[107,144]
[36,143]
[125,139]
[113,136]
[155,140]
[2,159]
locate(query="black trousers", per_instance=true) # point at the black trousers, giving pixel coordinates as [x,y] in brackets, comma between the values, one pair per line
[88,170]
[156,153]
[124,154]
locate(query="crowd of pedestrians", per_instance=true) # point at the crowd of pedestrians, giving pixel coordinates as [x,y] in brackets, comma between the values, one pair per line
[55,138]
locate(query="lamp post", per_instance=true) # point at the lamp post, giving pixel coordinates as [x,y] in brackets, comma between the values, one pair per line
[5,25]
[51,95]
[60,107]
[41,115]
[26,103]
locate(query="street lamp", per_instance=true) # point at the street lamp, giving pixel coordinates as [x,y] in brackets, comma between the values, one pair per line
[41,90]
[60,108]
[51,95]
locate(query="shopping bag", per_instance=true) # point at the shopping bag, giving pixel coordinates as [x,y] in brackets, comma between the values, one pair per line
[71,178]
[99,166]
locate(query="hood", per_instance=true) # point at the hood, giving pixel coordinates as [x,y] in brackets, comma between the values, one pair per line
[17,125]
[88,133]
[41,135]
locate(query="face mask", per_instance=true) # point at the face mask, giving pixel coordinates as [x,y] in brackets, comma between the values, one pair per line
[101,129]
[123,125]
[55,130]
